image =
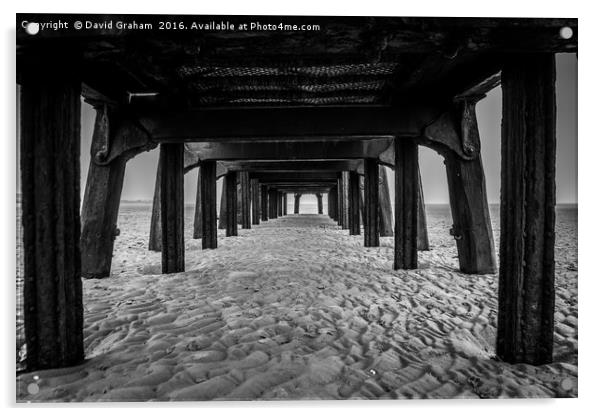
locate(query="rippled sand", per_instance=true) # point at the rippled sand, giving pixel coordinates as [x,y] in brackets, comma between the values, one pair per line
[297,309]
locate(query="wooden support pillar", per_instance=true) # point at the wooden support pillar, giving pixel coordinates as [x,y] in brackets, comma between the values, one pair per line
[245,203]
[280,198]
[354,204]
[223,218]
[273,203]
[154,239]
[329,203]
[406,204]
[197,229]
[320,204]
[344,200]
[101,204]
[255,201]
[231,204]
[385,212]
[362,211]
[171,159]
[371,236]
[297,201]
[284,204]
[208,200]
[50,178]
[526,279]
[335,203]
[264,203]
[468,203]
[423,237]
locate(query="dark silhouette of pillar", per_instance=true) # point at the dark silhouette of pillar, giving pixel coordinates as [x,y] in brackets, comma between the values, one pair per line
[528,199]
[354,203]
[208,200]
[245,203]
[385,212]
[297,199]
[371,185]
[171,158]
[284,203]
[264,203]
[231,204]
[406,204]
[320,204]
[154,240]
[255,202]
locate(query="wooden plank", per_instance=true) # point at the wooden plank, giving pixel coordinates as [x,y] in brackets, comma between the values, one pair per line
[255,202]
[320,204]
[385,211]
[354,204]
[231,204]
[526,280]
[406,204]
[50,186]
[208,198]
[155,239]
[264,203]
[245,203]
[171,158]
[197,228]
[101,204]
[371,226]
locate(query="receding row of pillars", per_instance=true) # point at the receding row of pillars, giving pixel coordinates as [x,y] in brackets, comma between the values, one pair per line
[50,177]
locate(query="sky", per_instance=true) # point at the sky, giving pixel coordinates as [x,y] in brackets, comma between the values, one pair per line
[140,172]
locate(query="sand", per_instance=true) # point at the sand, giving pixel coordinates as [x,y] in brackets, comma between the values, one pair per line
[297,309]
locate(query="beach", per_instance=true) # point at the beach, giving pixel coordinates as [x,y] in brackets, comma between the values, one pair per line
[297,309]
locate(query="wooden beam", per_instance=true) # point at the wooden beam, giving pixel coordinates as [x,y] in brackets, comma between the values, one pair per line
[468,203]
[101,204]
[294,165]
[280,150]
[208,198]
[354,204]
[155,239]
[197,229]
[526,280]
[281,122]
[255,202]
[50,177]
[406,204]
[171,159]
[385,211]
[245,203]
[371,234]
[264,203]
[320,204]
[231,204]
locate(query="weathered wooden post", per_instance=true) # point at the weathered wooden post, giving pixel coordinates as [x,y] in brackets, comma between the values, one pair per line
[223,217]
[255,201]
[231,204]
[279,203]
[273,203]
[335,203]
[197,228]
[171,158]
[297,200]
[245,203]
[354,203]
[406,204]
[371,236]
[320,204]
[101,202]
[284,204]
[50,177]
[385,212]
[209,199]
[468,201]
[264,203]
[423,237]
[343,199]
[154,240]
[330,203]
[526,285]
